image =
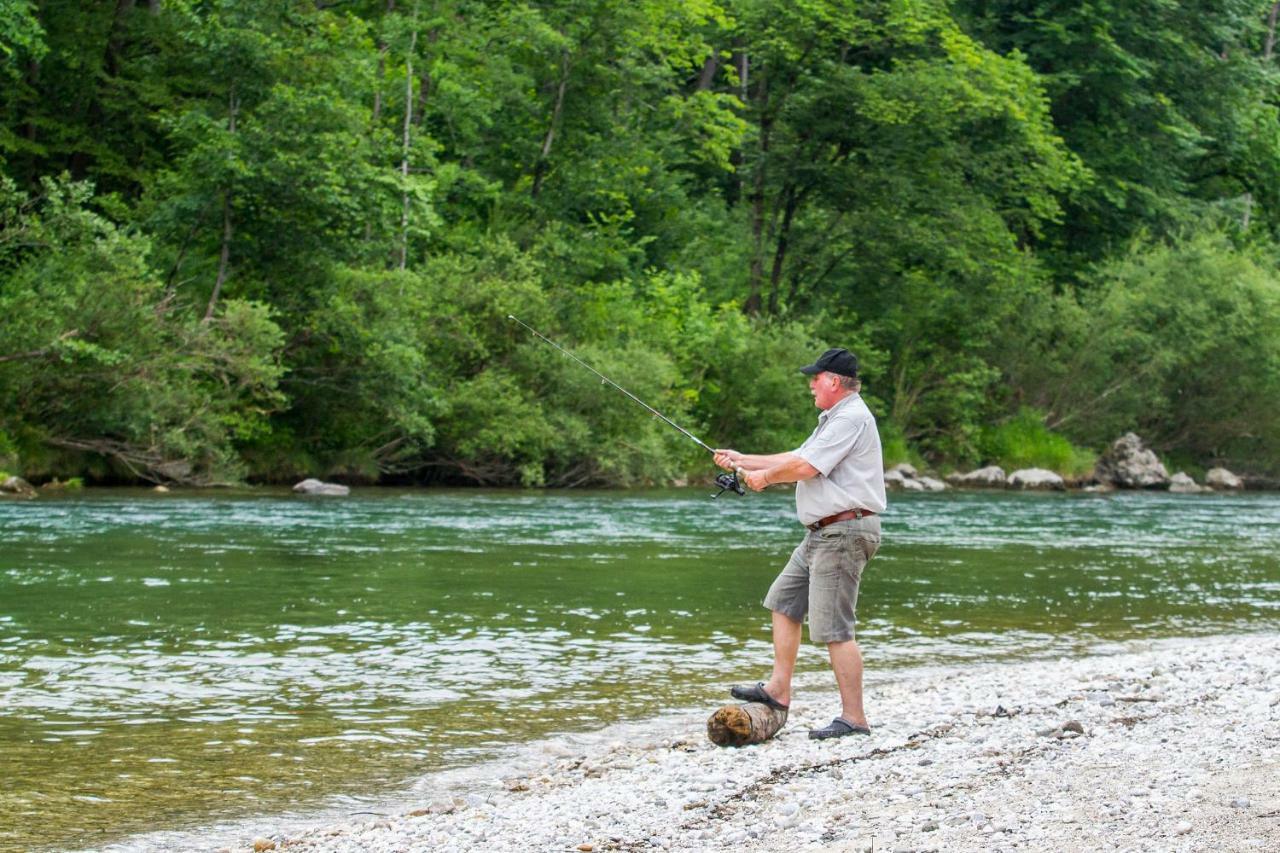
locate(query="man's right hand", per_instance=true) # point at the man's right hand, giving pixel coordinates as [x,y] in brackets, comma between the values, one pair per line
[728,459]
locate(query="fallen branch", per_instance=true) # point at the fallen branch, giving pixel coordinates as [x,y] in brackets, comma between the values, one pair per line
[739,725]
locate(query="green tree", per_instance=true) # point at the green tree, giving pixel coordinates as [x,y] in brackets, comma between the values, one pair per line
[1175,340]
[106,362]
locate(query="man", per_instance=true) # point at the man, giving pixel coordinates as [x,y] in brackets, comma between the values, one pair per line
[839,474]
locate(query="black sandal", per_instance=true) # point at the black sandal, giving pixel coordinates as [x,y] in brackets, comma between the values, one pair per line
[756,693]
[839,727]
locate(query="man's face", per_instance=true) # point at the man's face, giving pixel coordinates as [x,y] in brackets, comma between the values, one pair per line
[826,390]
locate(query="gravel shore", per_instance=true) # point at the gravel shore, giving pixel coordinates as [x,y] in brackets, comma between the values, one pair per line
[1171,745]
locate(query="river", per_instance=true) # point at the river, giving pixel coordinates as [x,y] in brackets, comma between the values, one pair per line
[172,661]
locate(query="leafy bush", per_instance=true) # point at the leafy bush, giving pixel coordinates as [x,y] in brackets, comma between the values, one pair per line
[1175,341]
[109,362]
[1024,441]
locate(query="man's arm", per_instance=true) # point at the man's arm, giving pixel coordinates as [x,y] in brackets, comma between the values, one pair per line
[731,459]
[762,471]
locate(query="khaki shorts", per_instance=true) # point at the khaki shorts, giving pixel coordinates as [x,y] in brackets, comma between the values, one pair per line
[822,578]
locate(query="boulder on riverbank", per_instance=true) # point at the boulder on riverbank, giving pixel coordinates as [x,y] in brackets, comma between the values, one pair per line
[16,487]
[1128,464]
[990,477]
[1220,479]
[1040,479]
[1182,484]
[316,487]
[905,477]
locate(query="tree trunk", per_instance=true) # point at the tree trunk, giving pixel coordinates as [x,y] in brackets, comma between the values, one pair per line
[404,160]
[780,253]
[1270,47]
[224,256]
[752,305]
[540,168]
[739,725]
[709,69]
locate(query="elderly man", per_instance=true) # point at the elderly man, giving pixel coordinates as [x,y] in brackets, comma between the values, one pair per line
[839,497]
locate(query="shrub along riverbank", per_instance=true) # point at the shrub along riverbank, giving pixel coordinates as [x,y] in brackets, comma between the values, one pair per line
[284,242]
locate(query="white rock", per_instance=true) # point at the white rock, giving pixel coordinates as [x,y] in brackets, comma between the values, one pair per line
[932,484]
[315,487]
[1222,480]
[1182,828]
[1181,483]
[1036,478]
[990,477]
[906,470]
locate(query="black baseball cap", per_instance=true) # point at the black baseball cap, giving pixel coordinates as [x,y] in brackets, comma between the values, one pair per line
[838,360]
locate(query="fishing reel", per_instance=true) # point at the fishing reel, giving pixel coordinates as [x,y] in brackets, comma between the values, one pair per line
[729,481]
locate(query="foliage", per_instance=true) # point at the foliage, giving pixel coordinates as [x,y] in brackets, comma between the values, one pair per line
[290,234]
[105,360]
[1175,340]
[1023,441]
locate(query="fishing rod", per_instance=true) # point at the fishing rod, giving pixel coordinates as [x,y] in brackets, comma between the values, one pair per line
[726,481]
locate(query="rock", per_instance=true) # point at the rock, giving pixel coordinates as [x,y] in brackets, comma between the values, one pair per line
[442,807]
[315,487]
[1240,803]
[906,470]
[894,479]
[1130,465]
[260,844]
[1182,484]
[932,485]
[990,477]
[17,486]
[1036,478]
[1182,828]
[1102,697]
[1222,480]
[913,486]
[162,490]
[1072,726]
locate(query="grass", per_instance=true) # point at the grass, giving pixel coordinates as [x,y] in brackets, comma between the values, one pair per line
[1025,442]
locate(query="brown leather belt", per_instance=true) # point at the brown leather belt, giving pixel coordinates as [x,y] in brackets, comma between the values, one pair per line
[839,516]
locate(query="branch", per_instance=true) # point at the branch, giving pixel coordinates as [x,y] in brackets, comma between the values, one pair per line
[39,353]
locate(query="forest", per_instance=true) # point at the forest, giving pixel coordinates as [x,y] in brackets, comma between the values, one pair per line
[261,241]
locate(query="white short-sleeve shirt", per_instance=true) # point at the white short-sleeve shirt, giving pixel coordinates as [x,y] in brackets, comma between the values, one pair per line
[845,448]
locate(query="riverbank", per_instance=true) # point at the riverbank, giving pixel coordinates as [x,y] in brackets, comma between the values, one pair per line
[1173,745]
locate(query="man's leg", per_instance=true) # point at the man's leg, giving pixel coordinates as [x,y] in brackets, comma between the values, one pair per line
[846,662]
[786,645]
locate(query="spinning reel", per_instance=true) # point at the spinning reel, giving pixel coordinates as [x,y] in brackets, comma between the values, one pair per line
[729,481]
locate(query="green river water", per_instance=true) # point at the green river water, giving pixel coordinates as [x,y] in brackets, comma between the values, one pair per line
[169,662]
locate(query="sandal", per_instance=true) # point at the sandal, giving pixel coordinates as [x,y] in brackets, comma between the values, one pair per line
[756,693]
[839,727]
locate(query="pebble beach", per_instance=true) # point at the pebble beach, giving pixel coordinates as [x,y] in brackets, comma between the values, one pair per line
[1166,745]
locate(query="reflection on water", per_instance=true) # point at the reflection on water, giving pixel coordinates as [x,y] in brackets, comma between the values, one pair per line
[169,661]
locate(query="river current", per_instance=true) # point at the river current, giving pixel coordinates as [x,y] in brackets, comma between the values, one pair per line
[171,661]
